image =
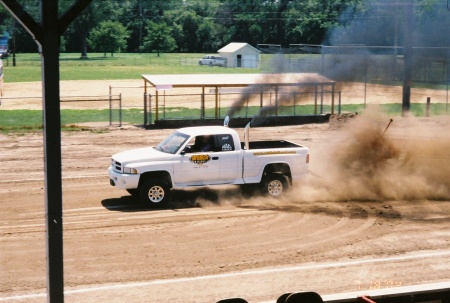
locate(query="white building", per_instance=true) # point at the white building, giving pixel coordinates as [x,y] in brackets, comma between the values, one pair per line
[241,55]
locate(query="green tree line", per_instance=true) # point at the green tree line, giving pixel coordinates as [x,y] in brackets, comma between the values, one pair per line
[201,26]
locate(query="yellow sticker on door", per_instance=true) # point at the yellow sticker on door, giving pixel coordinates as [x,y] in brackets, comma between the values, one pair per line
[199,159]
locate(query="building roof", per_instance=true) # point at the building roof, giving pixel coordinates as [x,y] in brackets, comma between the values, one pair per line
[234,47]
[161,82]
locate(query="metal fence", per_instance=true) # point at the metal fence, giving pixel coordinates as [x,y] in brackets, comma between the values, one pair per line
[366,63]
[240,104]
[100,110]
[114,103]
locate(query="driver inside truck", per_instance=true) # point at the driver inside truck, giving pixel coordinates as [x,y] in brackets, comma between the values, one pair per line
[203,143]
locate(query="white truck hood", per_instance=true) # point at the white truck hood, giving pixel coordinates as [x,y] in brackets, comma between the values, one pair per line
[140,155]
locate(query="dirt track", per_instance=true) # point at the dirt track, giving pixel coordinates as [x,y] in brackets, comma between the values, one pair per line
[386,226]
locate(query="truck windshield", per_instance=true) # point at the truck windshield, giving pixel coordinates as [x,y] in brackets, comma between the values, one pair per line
[172,143]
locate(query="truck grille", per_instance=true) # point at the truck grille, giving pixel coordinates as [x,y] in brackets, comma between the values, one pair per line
[117,166]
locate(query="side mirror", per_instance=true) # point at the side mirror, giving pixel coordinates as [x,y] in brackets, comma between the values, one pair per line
[187,149]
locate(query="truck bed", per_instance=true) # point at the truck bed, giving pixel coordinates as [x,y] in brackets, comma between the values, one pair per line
[270,144]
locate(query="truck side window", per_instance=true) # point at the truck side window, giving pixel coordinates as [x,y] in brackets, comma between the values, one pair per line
[203,144]
[225,143]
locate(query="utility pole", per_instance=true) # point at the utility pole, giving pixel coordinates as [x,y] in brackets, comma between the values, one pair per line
[408,58]
[46,33]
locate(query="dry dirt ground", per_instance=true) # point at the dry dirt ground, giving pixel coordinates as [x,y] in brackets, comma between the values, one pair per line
[373,213]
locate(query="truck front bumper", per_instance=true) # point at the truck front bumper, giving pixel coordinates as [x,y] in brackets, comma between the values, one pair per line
[125,181]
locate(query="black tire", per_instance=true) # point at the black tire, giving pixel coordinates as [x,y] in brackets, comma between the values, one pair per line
[210,64]
[248,190]
[283,297]
[274,185]
[133,192]
[154,193]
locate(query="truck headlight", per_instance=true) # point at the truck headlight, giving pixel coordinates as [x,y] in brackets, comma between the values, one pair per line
[128,170]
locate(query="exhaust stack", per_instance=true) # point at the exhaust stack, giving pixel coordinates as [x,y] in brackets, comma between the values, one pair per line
[247,136]
[226,121]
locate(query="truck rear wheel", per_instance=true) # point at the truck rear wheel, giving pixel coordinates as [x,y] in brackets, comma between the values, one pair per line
[154,193]
[274,185]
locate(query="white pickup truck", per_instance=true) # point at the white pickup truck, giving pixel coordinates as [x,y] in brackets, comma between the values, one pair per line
[211,60]
[207,155]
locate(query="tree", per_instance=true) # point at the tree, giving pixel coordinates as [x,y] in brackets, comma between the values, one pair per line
[185,24]
[108,36]
[142,11]
[309,21]
[159,39]
[94,14]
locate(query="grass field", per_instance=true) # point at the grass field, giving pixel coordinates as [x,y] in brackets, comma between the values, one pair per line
[31,120]
[121,66]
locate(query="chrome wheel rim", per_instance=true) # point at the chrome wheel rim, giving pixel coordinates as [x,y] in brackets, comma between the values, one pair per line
[275,188]
[156,194]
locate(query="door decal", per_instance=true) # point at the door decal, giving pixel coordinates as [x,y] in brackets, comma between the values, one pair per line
[199,159]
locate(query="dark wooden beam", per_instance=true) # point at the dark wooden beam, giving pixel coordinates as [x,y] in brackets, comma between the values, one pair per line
[52,149]
[47,35]
[23,18]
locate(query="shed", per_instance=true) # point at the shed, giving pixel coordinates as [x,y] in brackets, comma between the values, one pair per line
[241,55]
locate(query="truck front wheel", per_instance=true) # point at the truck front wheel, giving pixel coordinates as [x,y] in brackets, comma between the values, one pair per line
[274,185]
[155,193]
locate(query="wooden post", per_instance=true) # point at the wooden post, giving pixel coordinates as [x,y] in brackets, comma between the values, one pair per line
[332,99]
[315,99]
[156,106]
[202,114]
[216,114]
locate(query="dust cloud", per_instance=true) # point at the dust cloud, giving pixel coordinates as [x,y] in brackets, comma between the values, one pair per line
[410,161]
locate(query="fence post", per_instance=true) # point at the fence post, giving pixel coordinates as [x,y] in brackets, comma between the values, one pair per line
[202,114]
[315,99]
[145,110]
[276,100]
[295,102]
[332,99]
[321,99]
[110,107]
[150,108]
[339,109]
[120,109]
[216,114]
[427,112]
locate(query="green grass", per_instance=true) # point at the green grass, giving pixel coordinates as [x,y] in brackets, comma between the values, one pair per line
[31,120]
[121,66]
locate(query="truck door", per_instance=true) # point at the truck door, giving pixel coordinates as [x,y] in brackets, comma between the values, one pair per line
[199,165]
[228,156]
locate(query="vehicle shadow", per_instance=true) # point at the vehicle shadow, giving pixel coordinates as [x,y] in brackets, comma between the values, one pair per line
[180,199]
